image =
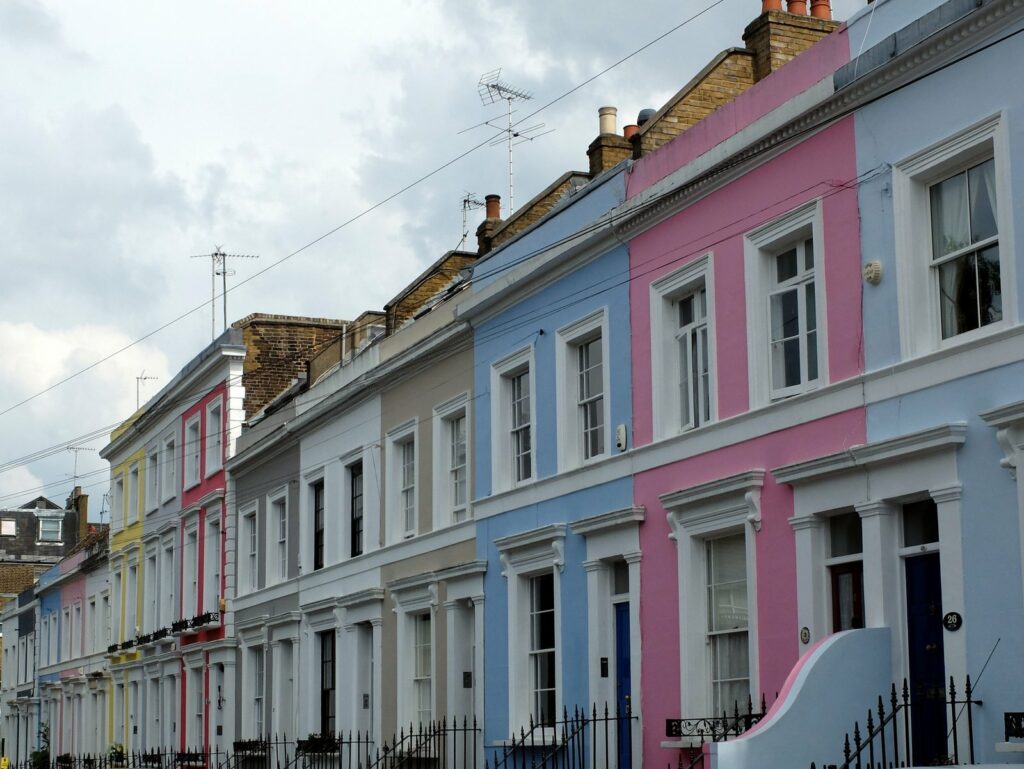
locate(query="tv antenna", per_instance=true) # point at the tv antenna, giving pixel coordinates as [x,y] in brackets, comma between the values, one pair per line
[493,89]
[75,450]
[138,381]
[469,203]
[219,266]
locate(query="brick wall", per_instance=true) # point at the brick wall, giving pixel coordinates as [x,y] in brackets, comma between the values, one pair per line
[276,350]
[729,75]
[776,37]
[533,211]
[438,277]
[607,151]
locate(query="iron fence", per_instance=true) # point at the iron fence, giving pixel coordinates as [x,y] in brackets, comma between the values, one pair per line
[582,739]
[887,739]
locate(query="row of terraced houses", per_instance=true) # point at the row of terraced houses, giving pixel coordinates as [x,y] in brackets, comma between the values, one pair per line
[721,434]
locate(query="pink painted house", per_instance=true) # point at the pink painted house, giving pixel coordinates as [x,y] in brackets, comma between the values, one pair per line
[745,304]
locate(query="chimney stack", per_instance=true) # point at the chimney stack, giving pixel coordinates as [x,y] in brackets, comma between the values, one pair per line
[609,148]
[797,7]
[485,232]
[771,5]
[775,38]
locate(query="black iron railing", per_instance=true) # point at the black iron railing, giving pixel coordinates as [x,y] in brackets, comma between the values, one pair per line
[581,739]
[886,740]
[717,728]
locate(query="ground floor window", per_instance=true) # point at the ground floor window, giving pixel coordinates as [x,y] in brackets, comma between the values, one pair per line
[327,682]
[727,622]
[542,649]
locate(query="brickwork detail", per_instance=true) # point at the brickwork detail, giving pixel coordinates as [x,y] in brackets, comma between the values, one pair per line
[722,83]
[277,348]
[412,299]
[607,151]
[531,213]
[775,38]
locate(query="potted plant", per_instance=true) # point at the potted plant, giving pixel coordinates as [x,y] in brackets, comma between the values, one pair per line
[116,754]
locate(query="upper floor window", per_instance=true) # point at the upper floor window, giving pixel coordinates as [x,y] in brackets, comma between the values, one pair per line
[279,522]
[49,530]
[318,524]
[965,249]
[214,437]
[953,280]
[249,545]
[682,339]
[581,397]
[590,396]
[451,468]
[423,664]
[512,420]
[192,452]
[407,485]
[168,468]
[117,500]
[785,317]
[152,480]
[133,494]
[355,505]
[8,527]
[793,319]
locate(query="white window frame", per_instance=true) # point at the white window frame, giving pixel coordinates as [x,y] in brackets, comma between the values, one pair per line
[248,560]
[258,685]
[502,477]
[719,508]
[190,569]
[445,512]
[152,479]
[916,279]
[397,439]
[665,294]
[759,248]
[49,519]
[169,602]
[213,441]
[134,472]
[193,450]
[275,565]
[571,451]
[117,500]
[212,572]
[169,467]
[523,556]
[8,527]
[413,597]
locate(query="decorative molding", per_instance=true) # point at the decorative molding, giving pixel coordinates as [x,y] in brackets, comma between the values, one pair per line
[943,437]
[713,490]
[537,548]
[950,493]
[1009,423]
[753,500]
[614,519]
[802,522]
[360,597]
[871,508]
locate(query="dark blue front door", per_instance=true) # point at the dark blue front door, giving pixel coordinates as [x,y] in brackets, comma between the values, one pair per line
[927,665]
[623,687]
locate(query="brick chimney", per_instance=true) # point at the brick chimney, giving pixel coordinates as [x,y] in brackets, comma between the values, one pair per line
[485,231]
[777,36]
[609,148]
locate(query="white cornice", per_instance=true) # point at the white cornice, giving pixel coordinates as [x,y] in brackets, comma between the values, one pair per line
[607,521]
[712,490]
[541,535]
[948,436]
[358,598]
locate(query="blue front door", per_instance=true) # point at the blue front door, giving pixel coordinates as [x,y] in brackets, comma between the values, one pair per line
[623,686]
[927,663]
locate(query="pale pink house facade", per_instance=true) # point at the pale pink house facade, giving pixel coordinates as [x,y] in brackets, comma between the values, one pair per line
[745,312]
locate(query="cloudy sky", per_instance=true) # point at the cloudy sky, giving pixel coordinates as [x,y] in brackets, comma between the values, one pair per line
[133,135]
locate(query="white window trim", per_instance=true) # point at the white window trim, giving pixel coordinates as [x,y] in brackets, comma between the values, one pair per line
[279,494]
[348,461]
[501,420]
[444,513]
[920,330]
[665,292]
[152,504]
[523,556]
[730,505]
[245,582]
[208,442]
[190,599]
[411,599]
[187,449]
[133,516]
[396,438]
[59,518]
[758,246]
[169,491]
[212,560]
[307,521]
[570,428]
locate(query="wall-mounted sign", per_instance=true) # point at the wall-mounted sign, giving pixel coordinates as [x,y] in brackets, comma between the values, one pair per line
[805,635]
[952,621]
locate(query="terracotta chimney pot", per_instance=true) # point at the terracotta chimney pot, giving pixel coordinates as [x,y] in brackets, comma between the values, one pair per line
[606,120]
[630,130]
[771,5]
[493,206]
[797,7]
[821,9]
